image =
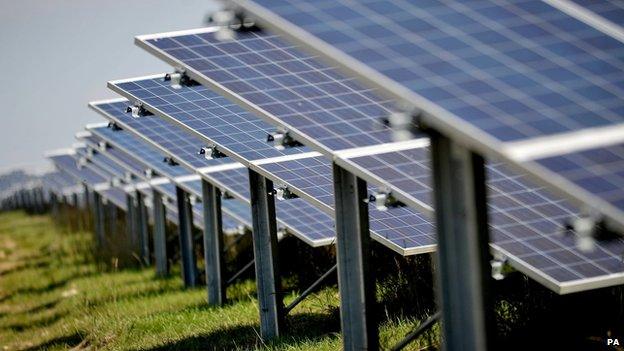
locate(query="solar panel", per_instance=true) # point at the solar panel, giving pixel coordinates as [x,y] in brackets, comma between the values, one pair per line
[314,227]
[527,223]
[103,165]
[600,171]
[179,144]
[294,89]
[176,102]
[208,115]
[124,159]
[298,213]
[67,163]
[497,76]
[116,196]
[132,145]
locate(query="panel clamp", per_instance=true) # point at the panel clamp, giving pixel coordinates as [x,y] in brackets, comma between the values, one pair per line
[383,200]
[170,161]
[211,152]
[404,124]
[179,79]
[230,21]
[114,126]
[137,110]
[282,192]
[149,173]
[102,145]
[282,139]
[499,265]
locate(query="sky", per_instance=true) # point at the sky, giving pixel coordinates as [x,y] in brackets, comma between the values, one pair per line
[57,55]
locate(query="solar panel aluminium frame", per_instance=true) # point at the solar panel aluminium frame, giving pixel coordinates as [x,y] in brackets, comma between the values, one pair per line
[429,113]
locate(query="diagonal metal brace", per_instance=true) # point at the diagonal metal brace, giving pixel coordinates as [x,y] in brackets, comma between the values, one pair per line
[423,327]
[312,288]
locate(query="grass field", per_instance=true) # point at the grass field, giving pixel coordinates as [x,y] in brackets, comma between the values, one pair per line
[52,296]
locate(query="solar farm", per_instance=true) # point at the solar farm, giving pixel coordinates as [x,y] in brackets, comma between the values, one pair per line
[486,135]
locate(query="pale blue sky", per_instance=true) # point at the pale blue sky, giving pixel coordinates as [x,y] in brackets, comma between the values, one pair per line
[56,56]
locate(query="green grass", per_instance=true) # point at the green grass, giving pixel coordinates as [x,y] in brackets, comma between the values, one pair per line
[52,296]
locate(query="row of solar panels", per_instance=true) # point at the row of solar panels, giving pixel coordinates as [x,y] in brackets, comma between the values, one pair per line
[537,83]
[258,74]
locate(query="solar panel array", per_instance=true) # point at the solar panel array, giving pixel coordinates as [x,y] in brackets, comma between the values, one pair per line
[491,74]
[414,241]
[507,77]
[314,227]
[232,65]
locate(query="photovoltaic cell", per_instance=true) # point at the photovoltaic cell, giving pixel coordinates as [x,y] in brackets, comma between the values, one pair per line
[600,171]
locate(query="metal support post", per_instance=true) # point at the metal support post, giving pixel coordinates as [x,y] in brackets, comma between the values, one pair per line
[463,250]
[185,226]
[142,227]
[131,229]
[112,218]
[265,255]
[355,280]
[213,244]
[160,235]
[98,217]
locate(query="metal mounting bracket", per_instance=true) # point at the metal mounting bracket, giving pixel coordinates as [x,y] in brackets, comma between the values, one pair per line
[211,152]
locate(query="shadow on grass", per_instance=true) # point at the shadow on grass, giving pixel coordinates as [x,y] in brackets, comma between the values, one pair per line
[37,323]
[65,341]
[304,327]
[44,306]
[52,285]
